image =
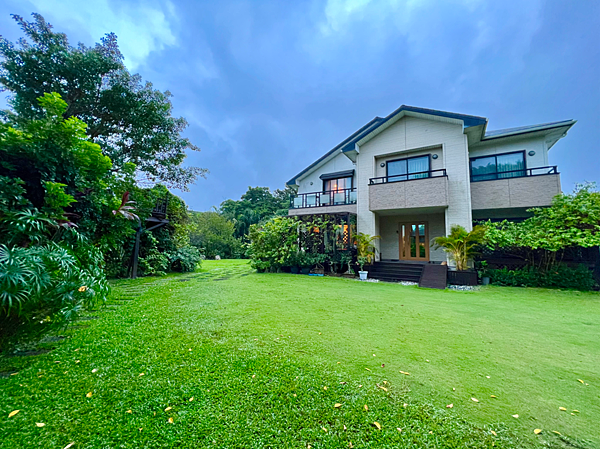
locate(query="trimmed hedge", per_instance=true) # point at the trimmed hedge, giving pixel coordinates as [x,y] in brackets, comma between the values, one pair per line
[562,276]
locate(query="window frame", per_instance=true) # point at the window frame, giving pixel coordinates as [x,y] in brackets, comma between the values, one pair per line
[332,179]
[387,164]
[496,173]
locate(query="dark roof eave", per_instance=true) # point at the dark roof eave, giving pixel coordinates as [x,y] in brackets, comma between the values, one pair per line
[349,143]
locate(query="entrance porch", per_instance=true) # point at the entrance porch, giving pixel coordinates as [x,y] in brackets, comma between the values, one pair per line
[407,237]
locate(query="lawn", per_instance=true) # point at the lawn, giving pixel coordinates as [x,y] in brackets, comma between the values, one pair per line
[229,358]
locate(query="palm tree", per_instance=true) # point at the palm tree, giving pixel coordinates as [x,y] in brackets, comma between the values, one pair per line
[365,249]
[460,244]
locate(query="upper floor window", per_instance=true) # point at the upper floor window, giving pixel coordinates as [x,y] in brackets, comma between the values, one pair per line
[498,166]
[337,184]
[409,168]
[338,181]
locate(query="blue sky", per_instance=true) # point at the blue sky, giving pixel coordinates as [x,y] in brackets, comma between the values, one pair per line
[269,86]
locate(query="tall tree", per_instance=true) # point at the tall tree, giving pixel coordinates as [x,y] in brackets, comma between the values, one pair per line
[256,205]
[212,233]
[127,117]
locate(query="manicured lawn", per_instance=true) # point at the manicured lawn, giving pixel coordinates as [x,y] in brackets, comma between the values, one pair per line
[256,351]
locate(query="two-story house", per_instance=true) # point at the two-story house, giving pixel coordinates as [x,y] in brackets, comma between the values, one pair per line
[410,176]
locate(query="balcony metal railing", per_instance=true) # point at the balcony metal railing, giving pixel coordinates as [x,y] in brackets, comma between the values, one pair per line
[521,173]
[409,177]
[321,199]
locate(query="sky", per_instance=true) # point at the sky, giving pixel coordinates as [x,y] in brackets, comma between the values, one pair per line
[269,86]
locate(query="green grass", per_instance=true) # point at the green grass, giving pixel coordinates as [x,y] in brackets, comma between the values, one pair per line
[264,346]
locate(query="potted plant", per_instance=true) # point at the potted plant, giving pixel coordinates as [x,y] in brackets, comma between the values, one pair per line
[294,262]
[365,252]
[345,265]
[484,273]
[362,261]
[461,246]
[305,261]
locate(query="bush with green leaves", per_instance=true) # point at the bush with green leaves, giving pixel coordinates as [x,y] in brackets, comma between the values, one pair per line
[213,234]
[291,242]
[573,220]
[185,259]
[59,277]
[560,276]
[273,244]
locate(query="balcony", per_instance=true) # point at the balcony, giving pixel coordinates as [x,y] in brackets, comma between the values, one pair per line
[329,202]
[531,187]
[414,190]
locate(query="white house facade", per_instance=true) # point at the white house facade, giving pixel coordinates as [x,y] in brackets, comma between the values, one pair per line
[410,176]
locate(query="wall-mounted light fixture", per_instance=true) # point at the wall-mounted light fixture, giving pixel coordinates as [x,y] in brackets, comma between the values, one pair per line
[531,153]
[382,164]
[434,156]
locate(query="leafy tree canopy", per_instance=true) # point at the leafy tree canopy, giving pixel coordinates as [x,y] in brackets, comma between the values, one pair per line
[256,205]
[129,119]
[212,233]
[572,220]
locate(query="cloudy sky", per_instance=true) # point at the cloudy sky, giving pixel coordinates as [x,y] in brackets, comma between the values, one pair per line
[269,86]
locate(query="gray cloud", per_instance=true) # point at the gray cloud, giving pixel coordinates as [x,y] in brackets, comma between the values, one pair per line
[270,86]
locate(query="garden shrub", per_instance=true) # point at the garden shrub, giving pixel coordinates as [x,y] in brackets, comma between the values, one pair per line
[56,278]
[274,244]
[560,276]
[185,259]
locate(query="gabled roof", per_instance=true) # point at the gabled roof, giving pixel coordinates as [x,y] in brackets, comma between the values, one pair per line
[340,147]
[379,124]
[526,129]
[349,143]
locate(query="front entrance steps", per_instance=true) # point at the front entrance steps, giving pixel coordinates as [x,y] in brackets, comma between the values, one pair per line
[396,271]
[425,274]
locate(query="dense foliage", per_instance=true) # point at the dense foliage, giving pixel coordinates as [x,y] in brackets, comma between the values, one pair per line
[283,243]
[62,223]
[256,206]
[213,234]
[129,119]
[573,220]
[560,276]
[161,249]
[45,262]
[543,240]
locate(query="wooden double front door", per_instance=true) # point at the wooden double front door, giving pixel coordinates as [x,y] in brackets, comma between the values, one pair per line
[414,240]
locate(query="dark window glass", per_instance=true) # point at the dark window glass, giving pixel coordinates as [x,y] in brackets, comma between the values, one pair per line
[411,168]
[501,166]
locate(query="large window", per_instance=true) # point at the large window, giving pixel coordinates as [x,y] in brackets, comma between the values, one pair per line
[337,184]
[409,168]
[498,166]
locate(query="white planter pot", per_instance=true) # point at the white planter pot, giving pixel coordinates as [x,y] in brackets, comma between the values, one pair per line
[363,275]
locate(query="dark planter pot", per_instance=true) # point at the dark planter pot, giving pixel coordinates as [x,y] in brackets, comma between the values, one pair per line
[295,270]
[305,270]
[462,277]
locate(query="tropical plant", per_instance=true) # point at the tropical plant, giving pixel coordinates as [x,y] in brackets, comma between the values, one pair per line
[256,206]
[460,244]
[185,259]
[365,249]
[57,277]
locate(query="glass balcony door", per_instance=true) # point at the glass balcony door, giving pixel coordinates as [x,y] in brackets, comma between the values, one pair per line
[410,168]
[414,241]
